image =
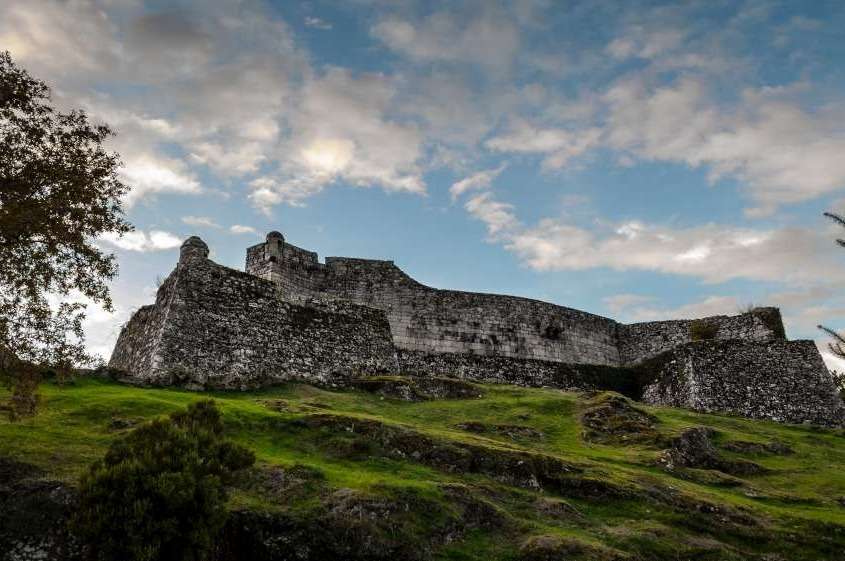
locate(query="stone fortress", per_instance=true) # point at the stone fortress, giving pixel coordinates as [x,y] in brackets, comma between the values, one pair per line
[290,317]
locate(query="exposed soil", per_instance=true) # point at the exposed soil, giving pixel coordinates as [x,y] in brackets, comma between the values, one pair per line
[411,388]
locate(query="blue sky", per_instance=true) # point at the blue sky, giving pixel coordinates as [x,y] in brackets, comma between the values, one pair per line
[640,160]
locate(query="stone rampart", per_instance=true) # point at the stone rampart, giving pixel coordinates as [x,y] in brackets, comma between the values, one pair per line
[433,320]
[215,327]
[784,381]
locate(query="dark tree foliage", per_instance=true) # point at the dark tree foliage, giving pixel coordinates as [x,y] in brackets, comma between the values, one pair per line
[59,190]
[837,346]
[159,493]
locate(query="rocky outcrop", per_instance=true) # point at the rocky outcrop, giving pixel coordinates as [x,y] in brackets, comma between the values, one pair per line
[33,515]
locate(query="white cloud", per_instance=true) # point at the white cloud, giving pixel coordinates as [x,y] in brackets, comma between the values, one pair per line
[497,216]
[783,153]
[138,240]
[477,181]
[240,229]
[343,131]
[559,145]
[621,302]
[317,23]
[488,37]
[636,308]
[147,174]
[713,253]
[200,221]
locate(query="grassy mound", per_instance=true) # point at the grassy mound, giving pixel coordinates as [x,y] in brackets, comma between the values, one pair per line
[510,473]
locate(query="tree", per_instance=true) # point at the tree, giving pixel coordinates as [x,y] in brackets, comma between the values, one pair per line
[159,493]
[59,191]
[837,345]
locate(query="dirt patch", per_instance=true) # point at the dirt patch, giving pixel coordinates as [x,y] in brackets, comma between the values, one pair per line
[417,388]
[774,448]
[282,484]
[704,515]
[277,405]
[514,432]
[476,511]
[694,449]
[117,423]
[557,509]
[555,548]
[612,419]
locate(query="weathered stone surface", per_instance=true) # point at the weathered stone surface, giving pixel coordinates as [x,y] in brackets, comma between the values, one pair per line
[694,449]
[291,317]
[431,320]
[214,327]
[783,381]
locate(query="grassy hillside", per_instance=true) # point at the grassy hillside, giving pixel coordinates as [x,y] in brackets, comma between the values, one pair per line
[513,474]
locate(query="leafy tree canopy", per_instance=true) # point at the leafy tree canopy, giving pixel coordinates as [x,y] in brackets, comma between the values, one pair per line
[59,191]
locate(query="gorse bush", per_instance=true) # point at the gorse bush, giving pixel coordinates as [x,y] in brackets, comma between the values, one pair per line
[703,330]
[159,493]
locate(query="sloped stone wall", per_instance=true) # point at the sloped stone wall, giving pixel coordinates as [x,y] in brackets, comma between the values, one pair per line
[220,328]
[784,381]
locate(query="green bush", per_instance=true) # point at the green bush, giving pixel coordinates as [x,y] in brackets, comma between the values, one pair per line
[703,330]
[159,493]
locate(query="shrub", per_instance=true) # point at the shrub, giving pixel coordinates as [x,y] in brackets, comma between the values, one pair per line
[22,380]
[702,330]
[159,493]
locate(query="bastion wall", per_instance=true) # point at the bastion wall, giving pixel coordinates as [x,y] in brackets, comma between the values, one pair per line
[783,381]
[215,327]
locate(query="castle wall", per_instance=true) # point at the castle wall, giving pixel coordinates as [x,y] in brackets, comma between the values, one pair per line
[293,318]
[444,321]
[228,329]
[640,341]
[784,381]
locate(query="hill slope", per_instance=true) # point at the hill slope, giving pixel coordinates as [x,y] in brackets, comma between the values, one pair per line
[480,472]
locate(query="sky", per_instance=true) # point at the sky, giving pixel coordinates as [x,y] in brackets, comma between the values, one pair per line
[640,160]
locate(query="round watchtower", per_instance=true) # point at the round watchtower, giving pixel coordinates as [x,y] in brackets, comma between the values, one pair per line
[193,249]
[273,246]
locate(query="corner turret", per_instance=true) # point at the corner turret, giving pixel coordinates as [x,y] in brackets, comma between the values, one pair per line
[193,249]
[273,246]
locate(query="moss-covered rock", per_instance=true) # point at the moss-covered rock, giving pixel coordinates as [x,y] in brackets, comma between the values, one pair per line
[611,418]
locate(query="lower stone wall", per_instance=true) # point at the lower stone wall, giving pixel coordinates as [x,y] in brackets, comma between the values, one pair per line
[784,381]
[227,329]
[521,371]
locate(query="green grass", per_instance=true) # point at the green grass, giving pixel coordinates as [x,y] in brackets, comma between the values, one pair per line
[795,501]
